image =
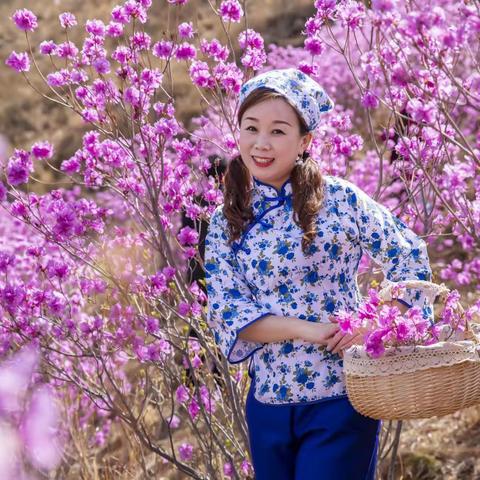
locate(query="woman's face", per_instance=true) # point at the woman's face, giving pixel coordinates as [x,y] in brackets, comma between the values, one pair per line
[270,141]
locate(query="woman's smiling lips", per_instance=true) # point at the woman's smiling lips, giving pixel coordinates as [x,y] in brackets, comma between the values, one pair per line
[263,161]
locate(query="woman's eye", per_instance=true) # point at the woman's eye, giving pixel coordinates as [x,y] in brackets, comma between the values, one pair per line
[251,128]
[278,131]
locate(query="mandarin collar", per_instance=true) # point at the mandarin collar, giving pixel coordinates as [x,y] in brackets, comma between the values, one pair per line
[269,192]
[265,198]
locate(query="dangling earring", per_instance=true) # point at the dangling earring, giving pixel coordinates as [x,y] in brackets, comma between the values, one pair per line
[299,159]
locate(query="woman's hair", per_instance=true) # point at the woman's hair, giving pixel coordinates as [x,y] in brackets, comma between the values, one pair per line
[306,179]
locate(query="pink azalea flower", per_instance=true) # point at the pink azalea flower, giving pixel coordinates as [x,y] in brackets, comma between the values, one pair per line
[66,50]
[373,297]
[141,41]
[193,409]
[388,315]
[163,49]
[188,236]
[314,46]
[228,469]
[369,100]
[182,394]
[119,15]
[185,51]
[134,9]
[383,5]
[185,450]
[183,308]
[229,76]
[345,322]
[403,332]
[325,8]
[231,11]
[19,168]
[253,58]
[42,150]
[48,47]
[374,343]
[114,29]
[214,49]
[95,27]
[185,30]
[169,272]
[250,38]
[312,27]
[25,20]
[308,68]
[246,467]
[58,79]
[200,75]
[367,311]
[196,362]
[19,61]
[101,65]
[351,13]
[67,20]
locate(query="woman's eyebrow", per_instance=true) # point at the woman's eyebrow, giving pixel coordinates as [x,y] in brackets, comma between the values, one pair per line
[275,121]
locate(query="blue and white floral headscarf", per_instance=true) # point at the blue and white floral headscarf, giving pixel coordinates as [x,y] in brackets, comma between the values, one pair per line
[308,97]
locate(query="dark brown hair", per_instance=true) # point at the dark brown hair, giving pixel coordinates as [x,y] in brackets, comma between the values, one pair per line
[306,179]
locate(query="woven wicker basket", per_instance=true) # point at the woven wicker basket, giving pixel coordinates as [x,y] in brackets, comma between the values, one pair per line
[416,382]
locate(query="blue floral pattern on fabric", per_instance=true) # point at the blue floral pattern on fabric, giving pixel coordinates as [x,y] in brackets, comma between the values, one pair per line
[266,272]
[309,98]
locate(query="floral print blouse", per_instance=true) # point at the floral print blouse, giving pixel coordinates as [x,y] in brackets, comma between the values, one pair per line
[265,272]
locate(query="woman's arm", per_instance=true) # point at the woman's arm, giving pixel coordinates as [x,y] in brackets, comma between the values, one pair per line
[391,244]
[274,328]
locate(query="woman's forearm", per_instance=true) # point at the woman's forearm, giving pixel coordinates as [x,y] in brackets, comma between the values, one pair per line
[272,328]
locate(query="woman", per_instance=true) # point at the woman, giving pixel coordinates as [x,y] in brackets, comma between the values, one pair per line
[281,258]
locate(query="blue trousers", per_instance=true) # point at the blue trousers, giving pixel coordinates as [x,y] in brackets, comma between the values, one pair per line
[326,440]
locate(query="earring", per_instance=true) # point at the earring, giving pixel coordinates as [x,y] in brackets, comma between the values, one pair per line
[299,159]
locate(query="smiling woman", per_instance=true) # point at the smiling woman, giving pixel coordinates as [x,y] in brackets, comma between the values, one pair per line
[281,257]
[272,137]
[273,142]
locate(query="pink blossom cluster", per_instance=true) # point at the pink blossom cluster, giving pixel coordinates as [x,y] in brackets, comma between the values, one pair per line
[29,418]
[231,11]
[383,325]
[252,43]
[431,145]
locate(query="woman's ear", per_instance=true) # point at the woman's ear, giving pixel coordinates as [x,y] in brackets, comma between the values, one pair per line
[306,141]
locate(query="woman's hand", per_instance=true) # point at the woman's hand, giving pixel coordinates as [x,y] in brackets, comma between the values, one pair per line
[341,340]
[314,332]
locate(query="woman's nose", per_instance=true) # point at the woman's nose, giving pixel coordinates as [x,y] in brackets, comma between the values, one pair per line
[262,143]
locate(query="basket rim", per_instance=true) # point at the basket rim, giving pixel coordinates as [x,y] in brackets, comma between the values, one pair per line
[406,359]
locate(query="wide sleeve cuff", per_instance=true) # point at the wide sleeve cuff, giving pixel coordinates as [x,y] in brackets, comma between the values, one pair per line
[241,349]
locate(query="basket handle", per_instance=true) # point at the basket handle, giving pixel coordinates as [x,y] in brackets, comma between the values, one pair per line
[432,290]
